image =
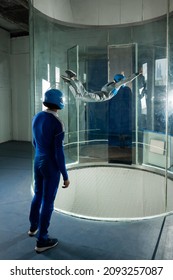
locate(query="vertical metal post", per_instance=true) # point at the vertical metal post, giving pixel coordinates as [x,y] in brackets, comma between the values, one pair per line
[166,115]
[166,105]
[136,107]
[77,104]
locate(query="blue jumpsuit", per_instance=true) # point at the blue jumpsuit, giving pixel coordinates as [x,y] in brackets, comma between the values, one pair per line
[49,164]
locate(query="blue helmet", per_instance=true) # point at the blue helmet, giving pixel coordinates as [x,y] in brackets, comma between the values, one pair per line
[118,78]
[54,97]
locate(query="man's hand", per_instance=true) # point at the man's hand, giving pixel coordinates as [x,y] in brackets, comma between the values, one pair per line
[66,184]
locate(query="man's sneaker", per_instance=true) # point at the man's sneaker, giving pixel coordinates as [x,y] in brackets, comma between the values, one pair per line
[70,73]
[32,232]
[42,246]
[65,79]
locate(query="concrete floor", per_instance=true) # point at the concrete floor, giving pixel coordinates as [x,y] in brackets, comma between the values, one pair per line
[79,239]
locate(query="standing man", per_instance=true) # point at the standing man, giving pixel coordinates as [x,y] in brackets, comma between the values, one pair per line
[49,164]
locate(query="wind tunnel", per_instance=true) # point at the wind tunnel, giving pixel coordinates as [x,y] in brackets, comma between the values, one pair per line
[119,151]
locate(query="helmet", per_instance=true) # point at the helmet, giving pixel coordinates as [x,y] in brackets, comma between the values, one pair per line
[54,97]
[118,78]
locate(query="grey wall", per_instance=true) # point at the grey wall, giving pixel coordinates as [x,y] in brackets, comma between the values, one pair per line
[5,88]
[15,114]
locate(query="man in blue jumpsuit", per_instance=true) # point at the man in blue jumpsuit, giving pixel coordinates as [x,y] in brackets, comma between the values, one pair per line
[49,164]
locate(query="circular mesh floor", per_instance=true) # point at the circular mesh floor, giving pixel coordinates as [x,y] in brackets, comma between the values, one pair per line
[110,193]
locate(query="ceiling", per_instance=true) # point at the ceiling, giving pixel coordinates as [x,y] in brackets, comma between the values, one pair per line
[14,17]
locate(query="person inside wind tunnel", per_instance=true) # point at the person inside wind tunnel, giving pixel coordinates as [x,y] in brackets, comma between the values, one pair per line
[49,164]
[108,91]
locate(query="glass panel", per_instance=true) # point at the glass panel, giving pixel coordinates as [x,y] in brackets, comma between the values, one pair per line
[152,105]
[72,149]
[120,107]
[93,117]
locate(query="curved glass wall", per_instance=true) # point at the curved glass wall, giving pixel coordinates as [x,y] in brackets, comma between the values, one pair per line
[132,134]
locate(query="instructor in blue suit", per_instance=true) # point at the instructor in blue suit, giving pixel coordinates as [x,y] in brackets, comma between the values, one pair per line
[49,164]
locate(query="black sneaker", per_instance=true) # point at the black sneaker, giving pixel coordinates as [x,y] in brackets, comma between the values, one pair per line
[32,232]
[65,79]
[70,73]
[45,245]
